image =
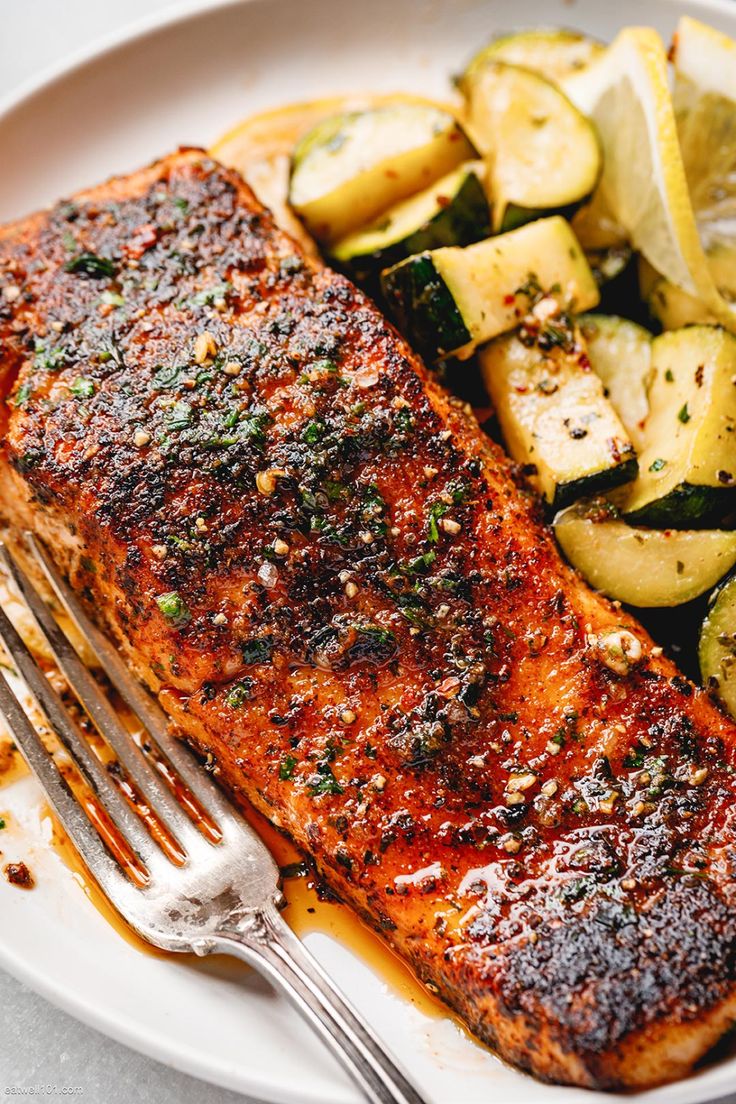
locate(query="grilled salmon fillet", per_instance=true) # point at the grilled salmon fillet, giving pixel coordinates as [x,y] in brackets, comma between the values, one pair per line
[346,599]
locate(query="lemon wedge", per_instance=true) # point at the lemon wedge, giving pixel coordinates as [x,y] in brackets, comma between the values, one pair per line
[705,109]
[644,187]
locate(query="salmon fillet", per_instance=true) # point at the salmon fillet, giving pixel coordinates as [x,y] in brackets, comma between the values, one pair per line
[346,598]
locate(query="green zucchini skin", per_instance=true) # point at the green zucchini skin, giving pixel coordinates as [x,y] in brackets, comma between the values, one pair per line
[594,483]
[688,506]
[516,215]
[466,219]
[554,52]
[717,645]
[423,306]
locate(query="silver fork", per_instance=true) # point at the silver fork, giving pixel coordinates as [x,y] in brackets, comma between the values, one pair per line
[215,888]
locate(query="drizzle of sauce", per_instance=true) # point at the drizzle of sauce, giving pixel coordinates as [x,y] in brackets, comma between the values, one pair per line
[306,911]
[69,855]
[12,764]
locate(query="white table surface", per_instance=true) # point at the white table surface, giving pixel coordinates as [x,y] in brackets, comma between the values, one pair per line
[40,1045]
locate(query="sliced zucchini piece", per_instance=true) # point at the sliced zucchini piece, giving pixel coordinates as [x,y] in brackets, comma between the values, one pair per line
[453,211]
[553,412]
[448,301]
[642,567]
[543,155]
[717,650]
[260,148]
[621,355]
[687,467]
[555,52]
[355,165]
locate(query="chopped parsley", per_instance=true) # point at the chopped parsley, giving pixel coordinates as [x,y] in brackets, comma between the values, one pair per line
[422,564]
[438,510]
[287,766]
[325,782]
[657,465]
[173,607]
[82,388]
[683,414]
[23,394]
[313,431]
[49,360]
[257,650]
[179,416]
[89,264]
[239,694]
[208,296]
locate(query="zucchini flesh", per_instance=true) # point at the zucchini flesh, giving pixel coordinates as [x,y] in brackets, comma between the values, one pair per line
[620,352]
[687,467]
[555,52]
[542,154]
[643,567]
[448,301]
[453,211]
[717,648]
[355,165]
[554,415]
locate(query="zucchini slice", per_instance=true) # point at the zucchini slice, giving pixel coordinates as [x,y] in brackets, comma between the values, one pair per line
[687,467]
[621,355]
[453,211]
[555,52]
[448,301]
[553,412]
[543,155]
[352,166]
[717,649]
[642,567]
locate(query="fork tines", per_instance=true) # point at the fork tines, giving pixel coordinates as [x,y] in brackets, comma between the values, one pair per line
[129,812]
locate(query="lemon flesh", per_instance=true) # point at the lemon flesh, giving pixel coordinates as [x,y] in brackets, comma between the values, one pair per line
[644,187]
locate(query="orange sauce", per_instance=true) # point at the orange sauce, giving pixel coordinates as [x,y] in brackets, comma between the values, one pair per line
[69,855]
[12,764]
[305,912]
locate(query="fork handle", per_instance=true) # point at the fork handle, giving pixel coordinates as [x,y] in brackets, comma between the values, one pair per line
[266,942]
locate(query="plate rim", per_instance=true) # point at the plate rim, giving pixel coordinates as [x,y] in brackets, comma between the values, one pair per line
[159,1046]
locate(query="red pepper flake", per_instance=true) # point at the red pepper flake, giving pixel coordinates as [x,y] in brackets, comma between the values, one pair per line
[449,687]
[143,238]
[508,300]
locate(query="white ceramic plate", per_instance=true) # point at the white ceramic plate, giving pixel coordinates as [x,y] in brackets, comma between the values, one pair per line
[184,80]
